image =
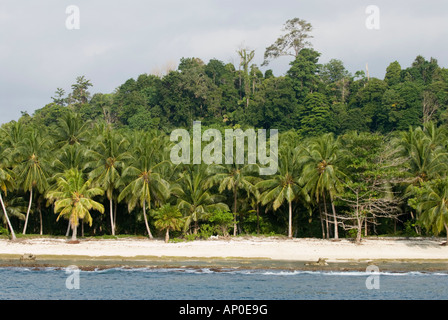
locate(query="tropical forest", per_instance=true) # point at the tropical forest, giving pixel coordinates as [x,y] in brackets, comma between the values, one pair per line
[358,156]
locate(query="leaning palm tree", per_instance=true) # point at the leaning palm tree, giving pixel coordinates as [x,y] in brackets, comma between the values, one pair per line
[143,184]
[32,169]
[6,183]
[168,218]
[194,198]
[321,176]
[73,199]
[108,160]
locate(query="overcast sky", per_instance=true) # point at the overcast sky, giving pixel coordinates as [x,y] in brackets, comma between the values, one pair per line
[118,40]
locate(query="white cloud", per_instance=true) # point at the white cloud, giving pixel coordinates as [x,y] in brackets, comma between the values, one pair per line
[119,40]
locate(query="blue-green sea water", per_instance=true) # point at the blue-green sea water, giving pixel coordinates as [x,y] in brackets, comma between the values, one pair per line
[205,284]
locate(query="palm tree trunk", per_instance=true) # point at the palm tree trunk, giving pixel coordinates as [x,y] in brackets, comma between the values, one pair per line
[234,211]
[336,234]
[112,225]
[321,221]
[115,216]
[326,215]
[146,221]
[258,218]
[41,232]
[167,235]
[74,231]
[28,211]
[290,220]
[13,235]
[196,225]
[68,228]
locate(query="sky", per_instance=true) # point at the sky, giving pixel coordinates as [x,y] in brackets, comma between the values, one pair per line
[119,40]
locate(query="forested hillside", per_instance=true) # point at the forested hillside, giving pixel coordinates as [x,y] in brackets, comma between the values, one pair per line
[358,155]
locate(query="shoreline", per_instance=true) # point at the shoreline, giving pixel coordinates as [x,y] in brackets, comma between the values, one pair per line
[396,255]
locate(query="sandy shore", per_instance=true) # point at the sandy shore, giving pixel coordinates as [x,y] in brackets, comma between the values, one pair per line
[241,248]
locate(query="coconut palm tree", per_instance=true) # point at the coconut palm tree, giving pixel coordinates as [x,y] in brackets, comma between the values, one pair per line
[194,197]
[143,184]
[425,152]
[32,168]
[73,199]
[432,204]
[321,176]
[108,160]
[284,185]
[232,177]
[6,183]
[168,218]
[70,129]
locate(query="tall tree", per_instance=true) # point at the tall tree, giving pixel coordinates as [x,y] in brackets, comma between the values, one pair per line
[80,94]
[284,186]
[393,74]
[304,73]
[33,168]
[297,33]
[143,184]
[316,118]
[246,57]
[108,161]
[321,176]
[6,183]
[59,97]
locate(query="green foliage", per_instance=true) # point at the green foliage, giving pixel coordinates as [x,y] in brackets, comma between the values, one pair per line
[168,218]
[223,220]
[315,116]
[4,231]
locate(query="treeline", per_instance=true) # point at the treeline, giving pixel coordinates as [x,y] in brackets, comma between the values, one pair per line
[121,181]
[311,98]
[358,155]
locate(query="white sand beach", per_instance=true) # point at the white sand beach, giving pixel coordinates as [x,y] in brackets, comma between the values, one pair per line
[240,247]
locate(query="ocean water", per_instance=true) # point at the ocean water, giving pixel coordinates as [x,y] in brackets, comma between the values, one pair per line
[227,284]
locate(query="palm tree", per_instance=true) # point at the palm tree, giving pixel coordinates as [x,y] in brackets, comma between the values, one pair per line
[73,199]
[168,218]
[425,152]
[71,129]
[6,183]
[321,176]
[32,169]
[232,177]
[109,157]
[194,197]
[283,186]
[432,204]
[143,183]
